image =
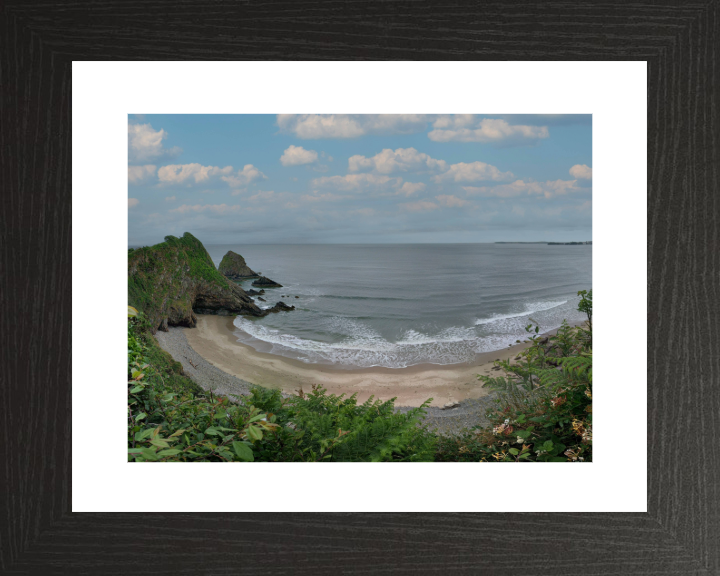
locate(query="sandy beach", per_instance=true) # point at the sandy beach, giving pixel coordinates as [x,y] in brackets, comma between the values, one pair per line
[213,340]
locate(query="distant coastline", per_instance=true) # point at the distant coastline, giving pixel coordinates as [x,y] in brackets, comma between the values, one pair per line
[586,243]
[435,341]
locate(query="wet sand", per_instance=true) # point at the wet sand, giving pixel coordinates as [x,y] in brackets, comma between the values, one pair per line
[213,339]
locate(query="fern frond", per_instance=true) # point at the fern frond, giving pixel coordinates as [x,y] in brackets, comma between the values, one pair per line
[579,367]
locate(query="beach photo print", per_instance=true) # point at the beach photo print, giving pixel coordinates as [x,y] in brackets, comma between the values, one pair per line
[360,288]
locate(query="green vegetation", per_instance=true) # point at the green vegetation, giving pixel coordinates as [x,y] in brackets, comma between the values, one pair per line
[164,279]
[543,412]
[171,419]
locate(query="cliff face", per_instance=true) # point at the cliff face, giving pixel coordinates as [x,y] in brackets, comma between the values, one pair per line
[234,267]
[171,281]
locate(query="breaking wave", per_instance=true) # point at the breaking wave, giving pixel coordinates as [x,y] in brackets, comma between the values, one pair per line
[358,345]
[531,308]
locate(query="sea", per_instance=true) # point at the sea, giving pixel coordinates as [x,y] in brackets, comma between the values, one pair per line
[398,305]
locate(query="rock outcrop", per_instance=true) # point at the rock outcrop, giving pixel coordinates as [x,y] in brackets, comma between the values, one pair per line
[264,282]
[233,266]
[281,307]
[173,281]
[253,292]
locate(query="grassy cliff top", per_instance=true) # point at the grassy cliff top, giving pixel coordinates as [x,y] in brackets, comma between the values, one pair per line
[164,279]
[188,248]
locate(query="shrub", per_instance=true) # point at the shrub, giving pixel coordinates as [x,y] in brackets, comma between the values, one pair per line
[338,429]
[170,419]
[544,411]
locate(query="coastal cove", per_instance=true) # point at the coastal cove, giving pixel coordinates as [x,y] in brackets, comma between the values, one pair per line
[419,295]
[372,323]
[214,340]
[396,306]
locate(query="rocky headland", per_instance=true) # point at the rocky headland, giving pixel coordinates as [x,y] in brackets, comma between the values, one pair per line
[233,266]
[173,281]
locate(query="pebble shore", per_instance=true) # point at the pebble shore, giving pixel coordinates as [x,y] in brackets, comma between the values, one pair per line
[207,376]
[443,421]
[450,421]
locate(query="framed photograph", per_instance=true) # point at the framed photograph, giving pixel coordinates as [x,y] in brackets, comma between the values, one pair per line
[277,171]
[440,309]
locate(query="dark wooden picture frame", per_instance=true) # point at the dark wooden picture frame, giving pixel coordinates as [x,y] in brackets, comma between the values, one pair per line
[680,533]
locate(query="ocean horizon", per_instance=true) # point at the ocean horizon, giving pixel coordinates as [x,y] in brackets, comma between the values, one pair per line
[399,305]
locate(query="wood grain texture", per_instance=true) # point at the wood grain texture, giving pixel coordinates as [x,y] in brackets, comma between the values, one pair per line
[680,534]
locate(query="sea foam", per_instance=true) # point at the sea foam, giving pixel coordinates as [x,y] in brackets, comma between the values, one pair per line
[362,347]
[530,308]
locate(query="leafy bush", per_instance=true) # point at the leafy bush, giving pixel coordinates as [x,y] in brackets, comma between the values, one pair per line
[338,429]
[544,411]
[170,419]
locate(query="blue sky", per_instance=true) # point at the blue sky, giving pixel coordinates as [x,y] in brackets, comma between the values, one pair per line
[288,179]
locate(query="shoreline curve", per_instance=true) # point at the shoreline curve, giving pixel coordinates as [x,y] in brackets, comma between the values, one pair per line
[214,340]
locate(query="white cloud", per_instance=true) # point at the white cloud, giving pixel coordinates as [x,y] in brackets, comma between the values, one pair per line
[262,195]
[446,127]
[409,188]
[502,191]
[144,143]
[548,189]
[244,177]
[199,174]
[139,174]
[216,209]
[557,188]
[419,206]
[170,198]
[450,201]
[473,172]
[313,126]
[454,121]
[581,171]
[487,130]
[296,155]
[400,160]
[356,182]
[189,173]
[132,202]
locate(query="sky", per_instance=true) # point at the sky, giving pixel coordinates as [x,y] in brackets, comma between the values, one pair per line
[336,179]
